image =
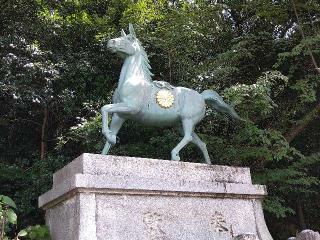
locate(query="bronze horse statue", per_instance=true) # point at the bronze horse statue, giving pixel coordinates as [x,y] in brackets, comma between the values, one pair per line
[155,103]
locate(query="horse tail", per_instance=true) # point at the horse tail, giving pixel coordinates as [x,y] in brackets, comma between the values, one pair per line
[215,101]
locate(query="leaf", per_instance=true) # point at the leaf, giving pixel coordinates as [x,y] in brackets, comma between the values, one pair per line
[22,233]
[33,235]
[12,216]
[38,232]
[8,201]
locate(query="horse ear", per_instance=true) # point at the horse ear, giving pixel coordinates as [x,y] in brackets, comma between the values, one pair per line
[123,34]
[131,30]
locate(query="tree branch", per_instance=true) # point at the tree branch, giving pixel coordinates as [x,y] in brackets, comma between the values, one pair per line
[304,37]
[304,122]
[43,133]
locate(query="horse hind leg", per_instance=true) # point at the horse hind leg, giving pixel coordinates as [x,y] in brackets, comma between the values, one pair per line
[199,143]
[202,146]
[115,126]
[188,126]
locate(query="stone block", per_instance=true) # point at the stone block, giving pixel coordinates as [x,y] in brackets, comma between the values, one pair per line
[247,236]
[307,234]
[99,197]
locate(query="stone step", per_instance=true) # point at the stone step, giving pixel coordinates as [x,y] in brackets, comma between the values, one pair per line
[96,164]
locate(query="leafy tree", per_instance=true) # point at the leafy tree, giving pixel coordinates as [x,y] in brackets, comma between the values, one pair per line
[261,55]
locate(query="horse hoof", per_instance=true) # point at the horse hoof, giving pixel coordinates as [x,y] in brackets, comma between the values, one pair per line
[208,161]
[103,153]
[175,158]
[112,139]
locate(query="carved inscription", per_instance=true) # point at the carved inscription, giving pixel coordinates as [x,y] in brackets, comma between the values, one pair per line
[153,222]
[218,222]
[247,236]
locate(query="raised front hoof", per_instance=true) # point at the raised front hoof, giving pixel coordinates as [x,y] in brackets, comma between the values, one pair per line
[175,157]
[112,139]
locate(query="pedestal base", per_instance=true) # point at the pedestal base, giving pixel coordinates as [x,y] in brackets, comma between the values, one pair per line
[99,197]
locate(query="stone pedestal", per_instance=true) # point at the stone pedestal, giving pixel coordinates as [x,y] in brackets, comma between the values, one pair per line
[98,197]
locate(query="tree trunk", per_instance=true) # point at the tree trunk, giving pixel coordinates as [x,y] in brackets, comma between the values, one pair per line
[302,221]
[237,22]
[303,37]
[296,130]
[43,133]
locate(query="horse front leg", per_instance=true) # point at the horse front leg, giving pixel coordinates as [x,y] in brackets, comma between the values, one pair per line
[105,128]
[115,126]
[114,108]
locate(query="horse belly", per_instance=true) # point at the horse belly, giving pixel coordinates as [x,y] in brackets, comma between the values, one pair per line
[153,114]
[161,117]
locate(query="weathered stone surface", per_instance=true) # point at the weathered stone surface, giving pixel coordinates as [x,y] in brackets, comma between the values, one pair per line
[247,236]
[308,235]
[95,164]
[99,197]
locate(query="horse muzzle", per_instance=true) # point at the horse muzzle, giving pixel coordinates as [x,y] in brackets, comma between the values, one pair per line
[111,45]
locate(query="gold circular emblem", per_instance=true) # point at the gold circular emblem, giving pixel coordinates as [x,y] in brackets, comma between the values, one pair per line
[165,98]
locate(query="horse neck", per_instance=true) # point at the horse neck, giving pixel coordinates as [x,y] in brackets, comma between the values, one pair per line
[132,67]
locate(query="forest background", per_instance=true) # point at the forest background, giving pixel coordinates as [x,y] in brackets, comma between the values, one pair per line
[56,74]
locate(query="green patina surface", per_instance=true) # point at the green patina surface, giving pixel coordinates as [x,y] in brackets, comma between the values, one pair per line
[156,103]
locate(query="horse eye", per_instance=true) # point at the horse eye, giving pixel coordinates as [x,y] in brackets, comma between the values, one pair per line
[130,38]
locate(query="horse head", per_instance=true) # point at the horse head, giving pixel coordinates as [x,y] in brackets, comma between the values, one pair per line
[126,45]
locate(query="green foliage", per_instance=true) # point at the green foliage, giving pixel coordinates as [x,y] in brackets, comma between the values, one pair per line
[53,55]
[295,180]
[5,200]
[36,232]
[277,207]
[259,96]
[8,218]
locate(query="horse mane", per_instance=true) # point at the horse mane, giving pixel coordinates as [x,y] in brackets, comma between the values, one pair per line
[145,63]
